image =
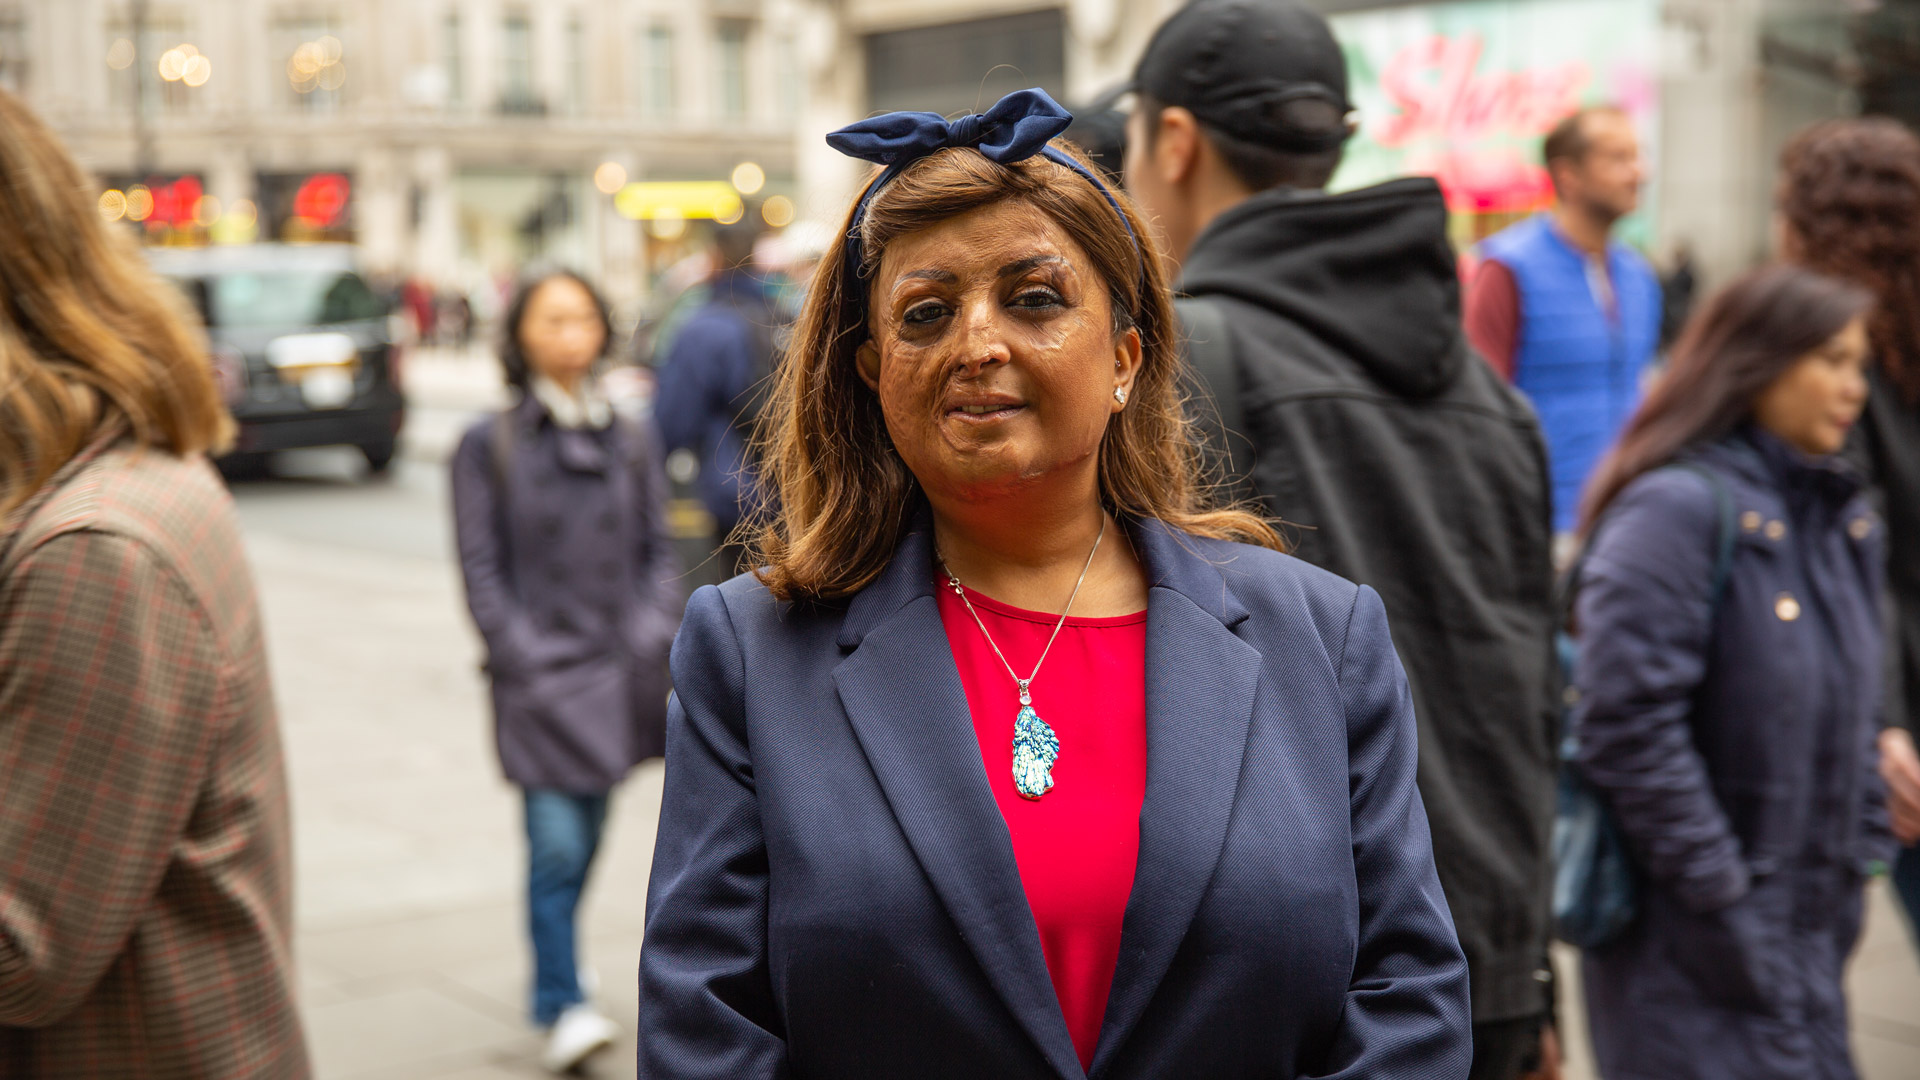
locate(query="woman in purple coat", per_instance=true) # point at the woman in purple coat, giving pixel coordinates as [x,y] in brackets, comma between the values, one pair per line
[559,509]
[1730,702]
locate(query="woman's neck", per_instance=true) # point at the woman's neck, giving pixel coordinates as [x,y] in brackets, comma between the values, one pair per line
[569,384]
[1030,555]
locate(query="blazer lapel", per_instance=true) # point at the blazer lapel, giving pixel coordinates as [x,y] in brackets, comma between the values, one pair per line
[1201,682]
[903,696]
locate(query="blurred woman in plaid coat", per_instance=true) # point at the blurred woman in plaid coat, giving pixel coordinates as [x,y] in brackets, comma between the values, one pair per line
[144,862]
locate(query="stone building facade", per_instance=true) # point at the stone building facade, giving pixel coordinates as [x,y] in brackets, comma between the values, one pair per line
[468,133]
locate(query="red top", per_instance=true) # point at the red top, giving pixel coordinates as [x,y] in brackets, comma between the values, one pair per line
[1492,315]
[1076,846]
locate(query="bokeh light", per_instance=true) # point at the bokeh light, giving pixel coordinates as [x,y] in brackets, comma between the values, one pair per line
[139,203]
[197,71]
[668,226]
[113,204]
[173,64]
[610,177]
[748,178]
[317,65]
[777,212]
[206,210]
[244,212]
[120,54]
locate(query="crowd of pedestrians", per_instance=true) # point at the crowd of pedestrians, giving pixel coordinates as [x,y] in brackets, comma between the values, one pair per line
[1168,605]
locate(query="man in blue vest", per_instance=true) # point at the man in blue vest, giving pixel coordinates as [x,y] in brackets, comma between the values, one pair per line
[1566,312]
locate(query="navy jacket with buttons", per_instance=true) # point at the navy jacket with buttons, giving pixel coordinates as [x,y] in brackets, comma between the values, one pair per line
[1735,743]
[834,892]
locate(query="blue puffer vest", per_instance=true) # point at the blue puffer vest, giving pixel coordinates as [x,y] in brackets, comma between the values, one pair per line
[1580,369]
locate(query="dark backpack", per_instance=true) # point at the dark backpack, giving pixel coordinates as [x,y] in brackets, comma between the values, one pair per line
[1596,886]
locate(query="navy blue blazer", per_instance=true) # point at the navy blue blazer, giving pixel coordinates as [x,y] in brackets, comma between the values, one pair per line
[834,892]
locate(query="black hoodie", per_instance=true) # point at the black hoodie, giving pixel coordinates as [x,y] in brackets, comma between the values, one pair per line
[1402,461]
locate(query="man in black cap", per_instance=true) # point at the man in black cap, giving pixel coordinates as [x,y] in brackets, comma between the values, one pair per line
[1328,329]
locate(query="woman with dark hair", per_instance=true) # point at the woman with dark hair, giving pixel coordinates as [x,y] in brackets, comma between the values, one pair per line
[146,888]
[560,512]
[1850,206]
[1729,691]
[1019,756]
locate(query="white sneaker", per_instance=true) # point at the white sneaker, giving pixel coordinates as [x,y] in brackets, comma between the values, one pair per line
[579,1033]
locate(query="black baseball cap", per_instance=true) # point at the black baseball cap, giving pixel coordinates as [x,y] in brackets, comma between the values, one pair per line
[1239,65]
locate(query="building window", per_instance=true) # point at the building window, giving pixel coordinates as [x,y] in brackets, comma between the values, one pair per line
[135,72]
[576,66]
[13,51]
[940,68]
[730,44]
[453,58]
[657,74]
[311,62]
[516,66]
[786,74]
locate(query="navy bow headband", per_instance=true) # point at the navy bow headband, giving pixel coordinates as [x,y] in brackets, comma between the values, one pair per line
[1018,127]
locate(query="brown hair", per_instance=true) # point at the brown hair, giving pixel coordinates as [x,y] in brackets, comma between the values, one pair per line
[89,336]
[1568,140]
[837,495]
[1747,336]
[1850,191]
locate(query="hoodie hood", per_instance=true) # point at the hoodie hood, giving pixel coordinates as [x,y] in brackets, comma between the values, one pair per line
[1370,273]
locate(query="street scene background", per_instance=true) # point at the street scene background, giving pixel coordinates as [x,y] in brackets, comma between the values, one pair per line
[444,146]
[407,844]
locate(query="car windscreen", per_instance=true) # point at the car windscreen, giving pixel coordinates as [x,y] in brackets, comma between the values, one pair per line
[289,298]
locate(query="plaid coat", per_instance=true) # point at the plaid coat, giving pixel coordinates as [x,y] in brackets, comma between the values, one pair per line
[145,914]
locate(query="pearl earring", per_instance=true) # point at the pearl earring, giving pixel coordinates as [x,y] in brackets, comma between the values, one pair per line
[1120,394]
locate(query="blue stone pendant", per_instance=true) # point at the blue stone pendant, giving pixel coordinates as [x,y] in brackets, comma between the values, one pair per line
[1035,749]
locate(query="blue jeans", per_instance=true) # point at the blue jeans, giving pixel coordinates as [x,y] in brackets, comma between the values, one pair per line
[1906,885]
[563,832]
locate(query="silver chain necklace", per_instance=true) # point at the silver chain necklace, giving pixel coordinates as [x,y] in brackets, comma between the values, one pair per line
[1035,746]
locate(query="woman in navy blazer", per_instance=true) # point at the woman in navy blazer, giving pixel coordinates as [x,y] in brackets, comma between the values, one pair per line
[984,383]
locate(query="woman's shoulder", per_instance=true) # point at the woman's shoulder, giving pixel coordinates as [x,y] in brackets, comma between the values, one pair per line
[1683,494]
[1273,587]
[172,513]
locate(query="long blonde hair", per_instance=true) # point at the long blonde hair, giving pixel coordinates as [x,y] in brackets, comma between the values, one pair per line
[838,496]
[89,336]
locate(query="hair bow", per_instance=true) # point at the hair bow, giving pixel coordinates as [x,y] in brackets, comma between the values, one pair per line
[1018,127]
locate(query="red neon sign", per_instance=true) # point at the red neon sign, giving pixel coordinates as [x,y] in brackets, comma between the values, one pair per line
[1472,129]
[322,198]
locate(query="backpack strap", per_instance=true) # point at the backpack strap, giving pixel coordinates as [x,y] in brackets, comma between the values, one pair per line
[1216,382]
[500,449]
[1723,546]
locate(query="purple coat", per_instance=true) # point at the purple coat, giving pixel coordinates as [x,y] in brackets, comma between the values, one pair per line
[572,582]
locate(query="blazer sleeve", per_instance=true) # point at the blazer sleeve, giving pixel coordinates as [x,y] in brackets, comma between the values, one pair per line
[706,994]
[112,697]
[1406,1011]
[1645,623]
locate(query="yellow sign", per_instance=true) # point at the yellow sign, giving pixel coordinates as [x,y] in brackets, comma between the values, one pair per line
[655,200]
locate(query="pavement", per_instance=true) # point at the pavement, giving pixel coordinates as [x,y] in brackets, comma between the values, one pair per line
[408,844]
